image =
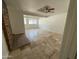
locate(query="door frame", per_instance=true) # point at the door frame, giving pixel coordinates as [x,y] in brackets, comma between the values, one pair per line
[5,16]
[69,44]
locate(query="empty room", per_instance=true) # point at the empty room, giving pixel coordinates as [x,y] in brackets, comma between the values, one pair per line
[33,29]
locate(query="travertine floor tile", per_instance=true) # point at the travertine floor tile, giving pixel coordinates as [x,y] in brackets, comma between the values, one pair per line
[45,45]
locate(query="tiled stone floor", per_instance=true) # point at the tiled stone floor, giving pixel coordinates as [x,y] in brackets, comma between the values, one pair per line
[46,46]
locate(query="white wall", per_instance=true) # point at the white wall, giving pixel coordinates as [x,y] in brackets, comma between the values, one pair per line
[4,48]
[54,23]
[16,20]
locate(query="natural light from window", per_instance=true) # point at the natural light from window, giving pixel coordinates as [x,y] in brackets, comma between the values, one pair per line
[25,22]
[32,21]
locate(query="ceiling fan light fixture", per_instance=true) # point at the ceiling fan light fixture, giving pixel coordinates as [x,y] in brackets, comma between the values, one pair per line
[46,9]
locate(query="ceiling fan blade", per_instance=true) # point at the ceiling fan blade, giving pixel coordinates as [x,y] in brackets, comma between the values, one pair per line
[48,10]
[52,9]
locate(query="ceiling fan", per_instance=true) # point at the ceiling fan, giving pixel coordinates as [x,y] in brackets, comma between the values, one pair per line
[46,9]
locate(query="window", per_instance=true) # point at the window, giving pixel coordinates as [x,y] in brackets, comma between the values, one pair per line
[25,21]
[32,21]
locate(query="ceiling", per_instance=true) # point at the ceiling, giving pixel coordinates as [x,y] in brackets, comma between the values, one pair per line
[31,6]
